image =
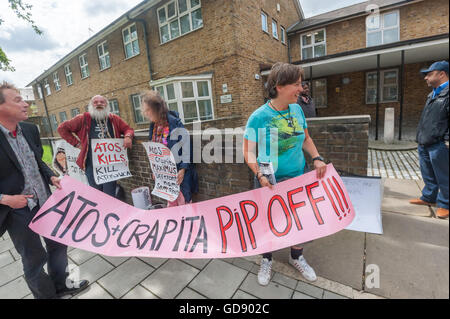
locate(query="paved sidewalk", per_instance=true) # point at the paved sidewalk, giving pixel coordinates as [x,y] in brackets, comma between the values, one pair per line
[394,164]
[412,257]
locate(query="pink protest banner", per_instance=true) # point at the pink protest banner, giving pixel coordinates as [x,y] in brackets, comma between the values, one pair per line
[245,224]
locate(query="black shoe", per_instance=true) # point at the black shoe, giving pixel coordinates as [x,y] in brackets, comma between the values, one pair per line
[78,287]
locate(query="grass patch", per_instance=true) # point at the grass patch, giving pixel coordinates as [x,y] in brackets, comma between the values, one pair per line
[47,157]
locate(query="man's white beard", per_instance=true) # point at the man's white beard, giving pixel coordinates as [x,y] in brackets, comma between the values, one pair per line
[97,114]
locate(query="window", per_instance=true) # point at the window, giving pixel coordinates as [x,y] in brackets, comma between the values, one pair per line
[54,122]
[56,81]
[39,92]
[84,66]
[265,28]
[68,73]
[75,112]
[178,18]
[114,105]
[103,56]
[136,104]
[47,87]
[283,35]
[274,29]
[313,44]
[319,91]
[191,98]
[382,29]
[388,86]
[63,116]
[130,41]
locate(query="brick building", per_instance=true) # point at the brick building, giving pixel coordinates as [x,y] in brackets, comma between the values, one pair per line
[204,56]
[346,50]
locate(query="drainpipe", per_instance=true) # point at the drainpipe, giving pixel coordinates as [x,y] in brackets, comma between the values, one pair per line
[48,116]
[144,25]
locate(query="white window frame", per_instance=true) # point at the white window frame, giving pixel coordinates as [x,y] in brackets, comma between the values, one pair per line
[177,16]
[68,73]
[41,96]
[56,82]
[47,87]
[382,28]
[65,116]
[133,107]
[83,58]
[265,27]
[131,41]
[112,107]
[77,111]
[176,81]
[382,86]
[313,42]
[105,57]
[282,34]
[275,34]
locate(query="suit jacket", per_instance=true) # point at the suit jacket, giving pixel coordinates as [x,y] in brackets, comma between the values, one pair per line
[12,181]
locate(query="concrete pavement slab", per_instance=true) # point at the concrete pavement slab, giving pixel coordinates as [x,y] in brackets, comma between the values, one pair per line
[94,291]
[188,293]
[94,269]
[80,256]
[331,295]
[11,272]
[242,263]
[170,279]
[309,290]
[15,289]
[6,245]
[271,291]
[397,193]
[15,254]
[412,257]
[284,280]
[219,280]
[126,276]
[116,261]
[139,292]
[299,295]
[154,262]
[243,295]
[5,258]
[197,263]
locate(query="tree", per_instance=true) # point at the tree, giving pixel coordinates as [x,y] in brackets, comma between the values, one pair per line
[22,11]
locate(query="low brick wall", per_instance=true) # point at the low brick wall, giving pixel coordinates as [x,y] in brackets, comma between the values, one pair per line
[341,140]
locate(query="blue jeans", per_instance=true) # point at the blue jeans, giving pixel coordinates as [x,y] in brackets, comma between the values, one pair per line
[34,256]
[434,168]
[107,188]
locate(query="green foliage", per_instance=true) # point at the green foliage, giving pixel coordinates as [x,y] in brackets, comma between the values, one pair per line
[22,11]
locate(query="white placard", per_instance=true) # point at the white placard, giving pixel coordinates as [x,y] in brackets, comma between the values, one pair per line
[366,195]
[141,197]
[109,160]
[224,99]
[65,160]
[164,168]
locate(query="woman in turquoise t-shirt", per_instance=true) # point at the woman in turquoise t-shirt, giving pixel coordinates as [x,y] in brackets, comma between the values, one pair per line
[280,131]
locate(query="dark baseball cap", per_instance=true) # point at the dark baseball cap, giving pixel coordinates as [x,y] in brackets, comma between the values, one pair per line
[436,66]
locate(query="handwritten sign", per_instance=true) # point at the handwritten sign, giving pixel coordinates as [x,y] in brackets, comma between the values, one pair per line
[110,160]
[65,160]
[245,224]
[164,168]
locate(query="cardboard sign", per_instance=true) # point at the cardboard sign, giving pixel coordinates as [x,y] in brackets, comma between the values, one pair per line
[245,224]
[64,160]
[164,168]
[109,160]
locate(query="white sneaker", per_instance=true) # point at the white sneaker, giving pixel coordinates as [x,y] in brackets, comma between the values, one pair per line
[301,265]
[265,271]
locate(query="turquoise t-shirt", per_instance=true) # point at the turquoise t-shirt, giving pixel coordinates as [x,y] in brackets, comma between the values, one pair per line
[287,159]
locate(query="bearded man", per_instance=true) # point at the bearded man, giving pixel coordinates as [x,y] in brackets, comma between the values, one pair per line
[97,123]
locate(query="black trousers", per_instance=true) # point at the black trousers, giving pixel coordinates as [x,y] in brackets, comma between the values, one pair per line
[29,246]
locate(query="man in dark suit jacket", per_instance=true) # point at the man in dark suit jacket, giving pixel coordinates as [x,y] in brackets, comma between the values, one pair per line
[24,186]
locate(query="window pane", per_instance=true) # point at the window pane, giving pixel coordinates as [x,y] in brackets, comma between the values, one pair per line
[202,88]
[162,15]
[274,29]
[390,78]
[135,47]
[174,29]
[374,39]
[264,21]
[197,20]
[170,92]
[372,79]
[371,95]
[390,19]
[190,111]
[126,35]
[373,22]
[319,36]
[307,53]
[319,50]
[133,32]
[195,3]
[173,107]
[282,35]
[307,39]
[185,25]
[160,89]
[205,110]
[390,36]
[171,10]
[128,50]
[165,34]
[108,62]
[390,93]
[182,6]
[187,89]
[100,50]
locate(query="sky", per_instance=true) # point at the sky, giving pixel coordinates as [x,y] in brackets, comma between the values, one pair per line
[66,25]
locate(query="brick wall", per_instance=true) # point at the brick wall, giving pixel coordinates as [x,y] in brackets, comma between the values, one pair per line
[341,140]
